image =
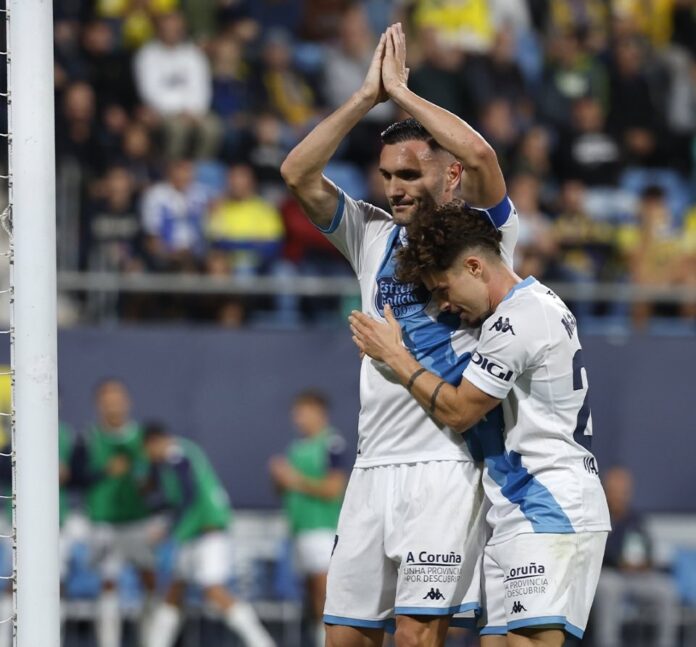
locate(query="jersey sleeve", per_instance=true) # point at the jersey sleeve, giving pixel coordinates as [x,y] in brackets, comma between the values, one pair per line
[348,226]
[506,349]
[504,217]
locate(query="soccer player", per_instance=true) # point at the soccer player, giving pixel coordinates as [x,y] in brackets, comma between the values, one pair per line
[183,476]
[411,528]
[313,480]
[548,515]
[113,464]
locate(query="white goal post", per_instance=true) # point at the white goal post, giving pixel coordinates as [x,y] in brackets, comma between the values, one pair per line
[31,171]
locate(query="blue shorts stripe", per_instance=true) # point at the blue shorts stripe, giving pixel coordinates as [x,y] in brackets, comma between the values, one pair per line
[493,631]
[438,611]
[547,620]
[355,622]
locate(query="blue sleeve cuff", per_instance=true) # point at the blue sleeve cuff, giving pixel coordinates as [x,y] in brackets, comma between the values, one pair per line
[500,213]
[338,215]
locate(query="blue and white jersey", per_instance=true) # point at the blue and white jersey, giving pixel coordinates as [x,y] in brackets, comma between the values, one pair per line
[540,475]
[393,427]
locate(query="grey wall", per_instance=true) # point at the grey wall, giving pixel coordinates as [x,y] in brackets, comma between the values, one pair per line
[231,392]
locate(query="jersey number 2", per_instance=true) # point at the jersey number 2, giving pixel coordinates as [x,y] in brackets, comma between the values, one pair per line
[584,414]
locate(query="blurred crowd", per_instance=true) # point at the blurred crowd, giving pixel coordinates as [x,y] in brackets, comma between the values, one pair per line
[173,117]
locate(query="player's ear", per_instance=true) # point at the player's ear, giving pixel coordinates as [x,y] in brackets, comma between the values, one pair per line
[474,266]
[454,174]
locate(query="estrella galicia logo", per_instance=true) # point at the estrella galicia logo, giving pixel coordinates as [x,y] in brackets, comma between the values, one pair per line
[434,594]
[518,607]
[503,325]
[406,299]
[494,369]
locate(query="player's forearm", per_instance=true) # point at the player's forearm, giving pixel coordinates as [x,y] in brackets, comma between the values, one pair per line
[451,132]
[309,158]
[327,488]
[437,398]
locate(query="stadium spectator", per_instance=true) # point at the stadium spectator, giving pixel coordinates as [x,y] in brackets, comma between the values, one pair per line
[635,116]
[232,98]
[441,78]
[173,219]
[588,152]
[280,86]
[656,251]
[586,247]
[571,73]
[114,236]
[173,80]
[312,480]
[247,227]
[500,126]
[183,481]
[107,67]
[628,572]
[111,463]
[77,132]
[135,21]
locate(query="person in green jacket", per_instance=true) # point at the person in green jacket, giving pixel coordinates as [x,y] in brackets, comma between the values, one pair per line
[113,465]
[312,479]
[183,481]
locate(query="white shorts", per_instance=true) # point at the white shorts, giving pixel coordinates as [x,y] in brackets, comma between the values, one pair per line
[205,561]
[409,542]
[313,551]
[114,545]
[541,580]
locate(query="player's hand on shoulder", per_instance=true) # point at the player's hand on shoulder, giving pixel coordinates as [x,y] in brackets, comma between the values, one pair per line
[118,465]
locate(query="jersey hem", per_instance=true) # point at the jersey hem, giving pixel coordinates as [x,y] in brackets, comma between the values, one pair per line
[362,463]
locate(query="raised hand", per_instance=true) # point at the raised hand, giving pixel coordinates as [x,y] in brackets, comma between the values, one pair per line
[394,70]
[372,88]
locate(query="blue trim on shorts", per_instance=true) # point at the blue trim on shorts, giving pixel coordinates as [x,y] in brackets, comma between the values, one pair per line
[438,611]
[493,631]
[337,217]
[547,620]
[359,622]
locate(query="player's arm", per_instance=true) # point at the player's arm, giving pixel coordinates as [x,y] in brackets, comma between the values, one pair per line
[482,179]
[303,168]
[458,407]
[288,479]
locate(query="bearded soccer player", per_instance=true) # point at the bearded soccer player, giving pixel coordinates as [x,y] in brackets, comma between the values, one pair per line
[414,494]
[549,517]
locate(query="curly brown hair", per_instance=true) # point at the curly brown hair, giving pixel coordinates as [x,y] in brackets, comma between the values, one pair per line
[437,237]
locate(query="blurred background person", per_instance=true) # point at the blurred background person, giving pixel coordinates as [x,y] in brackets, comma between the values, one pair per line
[174,81]
[182,480]
[312,478]
[113,464]
[628,572]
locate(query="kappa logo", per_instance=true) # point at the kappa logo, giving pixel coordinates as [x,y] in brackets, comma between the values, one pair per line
[434,594]
[503,325]
[518,607]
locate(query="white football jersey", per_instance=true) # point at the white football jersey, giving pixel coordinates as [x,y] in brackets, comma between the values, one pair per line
[540,475]
[393,427]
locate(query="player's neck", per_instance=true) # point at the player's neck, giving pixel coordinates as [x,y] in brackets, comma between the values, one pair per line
[503,279]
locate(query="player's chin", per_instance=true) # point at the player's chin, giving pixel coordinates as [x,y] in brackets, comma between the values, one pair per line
[403,215]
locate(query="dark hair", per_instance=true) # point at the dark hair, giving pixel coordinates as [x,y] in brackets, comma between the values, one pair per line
[406,131]
[312,396]
[153,430]
[438,236]
[652,192]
